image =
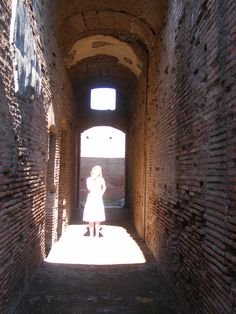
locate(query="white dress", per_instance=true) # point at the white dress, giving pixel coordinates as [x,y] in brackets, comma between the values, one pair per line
[94,210]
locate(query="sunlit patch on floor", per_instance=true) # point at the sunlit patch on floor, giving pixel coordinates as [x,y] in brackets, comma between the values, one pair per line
[114,246]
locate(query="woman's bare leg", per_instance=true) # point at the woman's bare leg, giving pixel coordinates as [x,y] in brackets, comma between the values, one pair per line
[97,229]
[91,228]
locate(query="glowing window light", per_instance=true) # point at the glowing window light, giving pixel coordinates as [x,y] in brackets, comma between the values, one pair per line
[103,99]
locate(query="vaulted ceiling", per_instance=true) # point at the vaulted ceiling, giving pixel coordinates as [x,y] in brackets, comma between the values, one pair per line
[105,43]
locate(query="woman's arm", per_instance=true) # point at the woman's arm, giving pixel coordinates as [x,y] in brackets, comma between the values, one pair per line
[103,186]
[89,184]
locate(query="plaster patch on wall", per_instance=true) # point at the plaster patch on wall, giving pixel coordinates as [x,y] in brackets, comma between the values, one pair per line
[27,69]
[105,45]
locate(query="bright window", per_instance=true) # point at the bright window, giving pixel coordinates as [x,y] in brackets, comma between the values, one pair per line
[103,99]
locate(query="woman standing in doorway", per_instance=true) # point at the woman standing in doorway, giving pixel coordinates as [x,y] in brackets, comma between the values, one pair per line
[94,211]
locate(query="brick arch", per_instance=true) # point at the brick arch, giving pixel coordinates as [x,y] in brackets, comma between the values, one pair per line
[131,20]
[141,34]
[101,44]
[89,123]
[102,71]
[109,124]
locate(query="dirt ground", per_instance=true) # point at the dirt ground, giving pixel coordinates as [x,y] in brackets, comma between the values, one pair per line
[77,288]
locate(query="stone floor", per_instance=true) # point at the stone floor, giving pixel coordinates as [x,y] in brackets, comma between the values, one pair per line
[114,273]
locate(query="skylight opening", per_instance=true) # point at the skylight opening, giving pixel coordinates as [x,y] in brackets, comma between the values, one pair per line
[103,99]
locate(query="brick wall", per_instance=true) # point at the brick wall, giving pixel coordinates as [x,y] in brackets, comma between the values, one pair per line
[24,134]
[181,152]
[136,156]
[191,116]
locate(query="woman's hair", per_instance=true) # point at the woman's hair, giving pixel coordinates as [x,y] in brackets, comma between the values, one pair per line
[97,170]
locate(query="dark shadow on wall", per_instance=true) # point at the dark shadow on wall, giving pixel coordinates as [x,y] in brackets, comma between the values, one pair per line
[203,124]
[24,154]
[22,193]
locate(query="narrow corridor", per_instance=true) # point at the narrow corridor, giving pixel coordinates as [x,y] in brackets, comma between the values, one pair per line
[170,66]
[121,276]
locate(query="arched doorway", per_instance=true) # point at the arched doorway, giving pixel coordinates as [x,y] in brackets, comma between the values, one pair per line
[104,146]
[51,210]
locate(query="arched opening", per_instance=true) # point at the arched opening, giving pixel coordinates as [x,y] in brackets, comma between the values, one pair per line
[63,215]
[51,211]
[104,146]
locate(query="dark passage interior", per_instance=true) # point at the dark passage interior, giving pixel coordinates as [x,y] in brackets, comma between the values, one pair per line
[172,64]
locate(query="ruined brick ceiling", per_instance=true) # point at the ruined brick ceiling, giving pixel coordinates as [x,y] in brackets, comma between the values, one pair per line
[106,42]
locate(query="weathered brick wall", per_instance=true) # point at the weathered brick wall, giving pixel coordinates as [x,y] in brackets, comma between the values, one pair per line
[181,148]
[24,133]
[136,156]
[190,220]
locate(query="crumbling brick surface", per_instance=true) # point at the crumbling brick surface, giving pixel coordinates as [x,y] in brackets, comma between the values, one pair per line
[136,156]
[24,130]
[181,130]
[190,209]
